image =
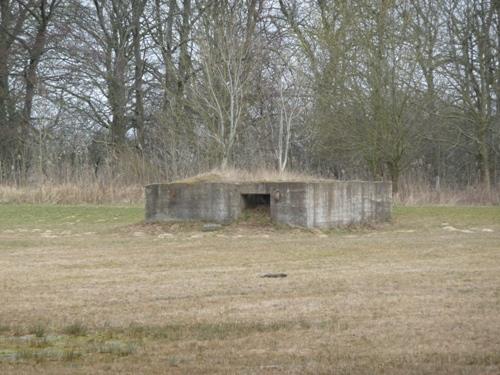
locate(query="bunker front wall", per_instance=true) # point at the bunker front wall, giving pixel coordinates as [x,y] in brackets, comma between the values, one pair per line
[289,203]
[306,204]
[206,201]
[328,204]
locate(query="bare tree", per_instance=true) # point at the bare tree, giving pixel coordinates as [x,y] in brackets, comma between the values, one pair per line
[24,26]
[290,107]
[473,73]
[138,7]
[13,17]
[226,66]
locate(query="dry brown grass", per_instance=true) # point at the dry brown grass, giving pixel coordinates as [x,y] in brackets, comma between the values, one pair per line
[238,175]
[71,193]
[413,193]
[126,188]
[420,296]
[94,191]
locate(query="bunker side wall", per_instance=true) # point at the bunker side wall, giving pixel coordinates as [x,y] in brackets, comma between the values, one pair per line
[208,201]
[340,203]
[151,193]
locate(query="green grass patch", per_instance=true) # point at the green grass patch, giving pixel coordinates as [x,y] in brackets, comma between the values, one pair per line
[436,215]
[117,348]
[45,215]
[64,348]
[98,218]
[75,329]
[38,329]
[205,331]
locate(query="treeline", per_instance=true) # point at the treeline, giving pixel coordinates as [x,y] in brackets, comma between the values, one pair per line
[144,90]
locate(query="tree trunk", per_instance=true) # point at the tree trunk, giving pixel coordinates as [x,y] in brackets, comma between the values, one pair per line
[224,161]
[30,79]
[484,165]
[497,84]
[4,80]
[138,8]
[6,152]
[184,58]
[118,101]
[395,172]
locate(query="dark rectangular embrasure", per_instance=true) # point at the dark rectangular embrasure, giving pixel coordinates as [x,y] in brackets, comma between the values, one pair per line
[256,200]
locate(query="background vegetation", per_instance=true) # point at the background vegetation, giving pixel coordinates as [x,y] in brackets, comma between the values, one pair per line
[100,95]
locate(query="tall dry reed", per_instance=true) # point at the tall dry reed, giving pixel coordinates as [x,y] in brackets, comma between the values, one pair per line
[421,193]
[127,187]
[71,193]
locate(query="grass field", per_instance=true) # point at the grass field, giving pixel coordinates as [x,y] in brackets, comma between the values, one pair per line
[92,290]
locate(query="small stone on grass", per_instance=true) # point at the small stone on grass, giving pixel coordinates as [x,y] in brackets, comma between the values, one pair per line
[211,227]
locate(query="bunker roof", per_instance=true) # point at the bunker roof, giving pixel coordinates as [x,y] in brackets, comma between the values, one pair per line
[239,176]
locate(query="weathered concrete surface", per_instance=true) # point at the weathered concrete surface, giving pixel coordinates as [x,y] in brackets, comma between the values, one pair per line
[347,202]
[217,202]
[320,204]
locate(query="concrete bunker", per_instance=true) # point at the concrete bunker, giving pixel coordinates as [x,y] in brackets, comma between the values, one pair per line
[311,203]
